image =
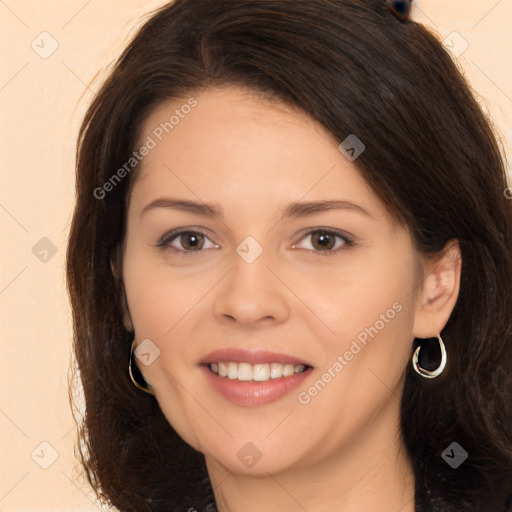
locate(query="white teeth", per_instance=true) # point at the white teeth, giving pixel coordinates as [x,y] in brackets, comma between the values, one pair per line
[232,370]
[276,370]
[223,369]
[244,371]
[288,369]
[260,372]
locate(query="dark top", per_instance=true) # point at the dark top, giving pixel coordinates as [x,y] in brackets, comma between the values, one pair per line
[425,500]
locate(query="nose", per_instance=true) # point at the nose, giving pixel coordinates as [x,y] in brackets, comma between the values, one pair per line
[252,294]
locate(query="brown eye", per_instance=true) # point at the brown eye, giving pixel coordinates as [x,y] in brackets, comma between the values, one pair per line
[185,241]
[191,240]
[325,242]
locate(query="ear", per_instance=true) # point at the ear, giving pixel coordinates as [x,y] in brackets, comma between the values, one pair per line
[116,268]
[439,291]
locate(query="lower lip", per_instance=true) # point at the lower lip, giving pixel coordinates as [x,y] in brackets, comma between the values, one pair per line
[251,393]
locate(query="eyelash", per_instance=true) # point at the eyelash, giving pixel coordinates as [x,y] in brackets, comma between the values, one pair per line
[172,235]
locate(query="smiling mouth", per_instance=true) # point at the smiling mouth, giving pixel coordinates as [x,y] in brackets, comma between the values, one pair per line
[260,372]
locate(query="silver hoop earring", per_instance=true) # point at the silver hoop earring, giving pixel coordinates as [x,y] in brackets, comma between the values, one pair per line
[430,374]
[147,389]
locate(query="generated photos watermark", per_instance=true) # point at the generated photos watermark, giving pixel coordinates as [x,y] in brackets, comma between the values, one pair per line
[149,144]
[305,397]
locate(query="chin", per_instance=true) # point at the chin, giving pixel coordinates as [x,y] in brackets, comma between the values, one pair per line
[249,460]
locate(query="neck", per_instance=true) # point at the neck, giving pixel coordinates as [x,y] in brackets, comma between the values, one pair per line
[370,472]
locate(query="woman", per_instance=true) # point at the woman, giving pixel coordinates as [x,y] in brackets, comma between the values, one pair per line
[226,363]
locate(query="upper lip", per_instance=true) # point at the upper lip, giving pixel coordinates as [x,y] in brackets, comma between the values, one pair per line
[240,355]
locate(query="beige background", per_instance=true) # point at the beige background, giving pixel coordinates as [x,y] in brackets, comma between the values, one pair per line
[42,100]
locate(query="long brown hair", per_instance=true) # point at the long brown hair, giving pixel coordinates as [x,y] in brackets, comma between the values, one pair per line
[432,158]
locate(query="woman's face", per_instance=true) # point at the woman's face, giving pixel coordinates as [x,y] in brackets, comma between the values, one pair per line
[263,278]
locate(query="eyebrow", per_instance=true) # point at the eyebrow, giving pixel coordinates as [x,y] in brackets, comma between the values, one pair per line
[291,210]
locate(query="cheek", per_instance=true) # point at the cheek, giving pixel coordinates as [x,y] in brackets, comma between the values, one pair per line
[156,308]
[363,368]
[353,297]
[370,309]
[155,299]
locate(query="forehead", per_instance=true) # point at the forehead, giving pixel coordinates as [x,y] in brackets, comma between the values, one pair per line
[243,147]
[230,121]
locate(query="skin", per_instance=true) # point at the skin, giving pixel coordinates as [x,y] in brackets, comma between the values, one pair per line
[252,156]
